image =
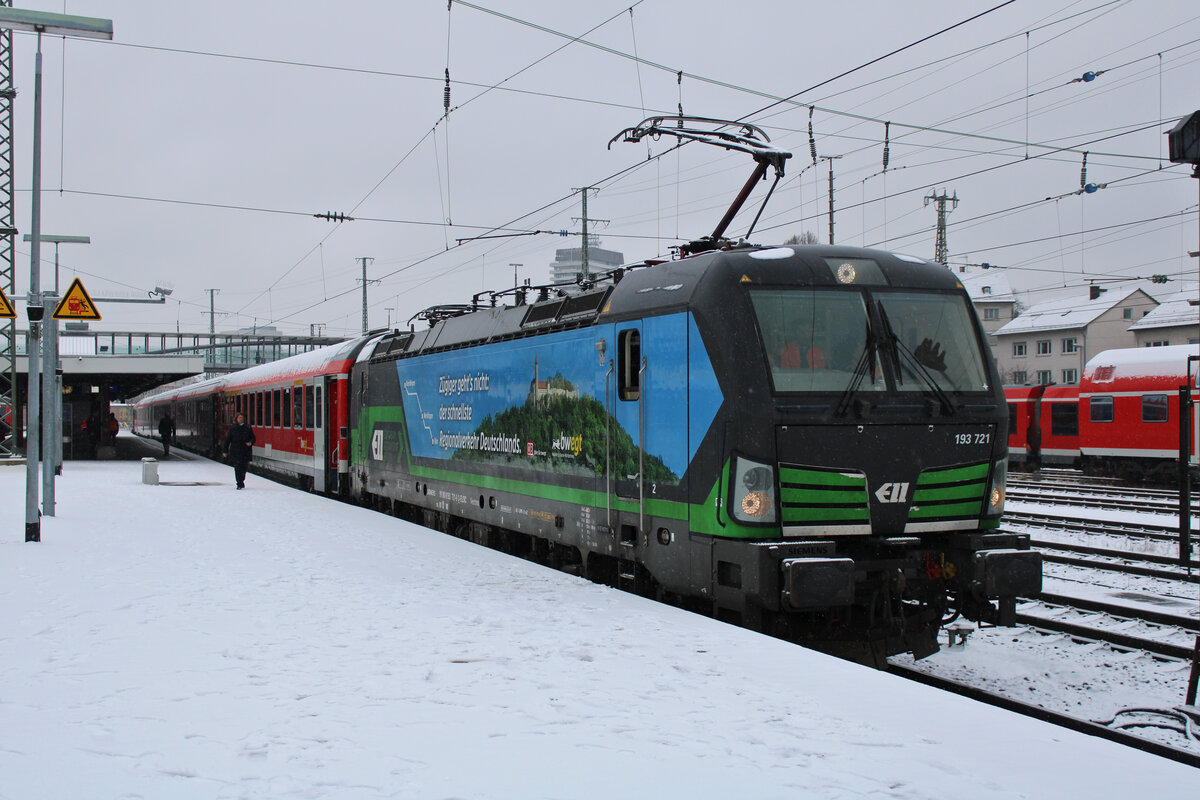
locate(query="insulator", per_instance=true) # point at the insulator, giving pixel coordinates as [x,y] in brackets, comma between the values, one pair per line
[679,124]
[446,93]
[1083,172]
[886,143]
[812,142]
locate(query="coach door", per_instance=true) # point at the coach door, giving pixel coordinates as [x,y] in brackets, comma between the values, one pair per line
[314,408]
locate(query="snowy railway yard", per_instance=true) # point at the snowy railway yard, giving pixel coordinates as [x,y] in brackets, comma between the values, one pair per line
[1117,623]
[185,640]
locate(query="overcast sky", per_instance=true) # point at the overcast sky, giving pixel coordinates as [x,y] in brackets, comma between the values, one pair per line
[196,147]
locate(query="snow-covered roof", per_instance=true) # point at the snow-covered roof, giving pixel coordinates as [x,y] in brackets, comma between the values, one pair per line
[1064,313]
[1139,362]
[1174,311]
[987,285]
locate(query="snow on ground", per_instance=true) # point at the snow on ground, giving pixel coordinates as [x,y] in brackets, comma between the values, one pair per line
[193,641]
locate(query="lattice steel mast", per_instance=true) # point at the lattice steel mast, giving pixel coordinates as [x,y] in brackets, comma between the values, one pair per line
[8,328]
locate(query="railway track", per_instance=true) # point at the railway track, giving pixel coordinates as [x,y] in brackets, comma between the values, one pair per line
[1121,627]
[1118,561]
[1085,497]
[1048,522]
[1190,757]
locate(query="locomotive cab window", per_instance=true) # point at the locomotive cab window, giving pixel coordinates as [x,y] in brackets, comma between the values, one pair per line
[629,364]
[932,339]
[817,340]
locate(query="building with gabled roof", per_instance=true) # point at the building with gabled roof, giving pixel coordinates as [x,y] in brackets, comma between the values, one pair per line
[992,296]
[1176,320]
[1052,341]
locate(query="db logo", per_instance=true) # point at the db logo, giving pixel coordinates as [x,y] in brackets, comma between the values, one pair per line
[529,449]
[892,493]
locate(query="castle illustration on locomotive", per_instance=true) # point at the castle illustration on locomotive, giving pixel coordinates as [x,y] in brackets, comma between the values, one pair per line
[806,440]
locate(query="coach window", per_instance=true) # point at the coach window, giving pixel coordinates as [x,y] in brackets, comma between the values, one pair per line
[1012,418]
[629,355]
[298,407]
[308,408]
[1154,408]
[318,417]
[1064,419]
[276,403]
[1101,409]
[287,409]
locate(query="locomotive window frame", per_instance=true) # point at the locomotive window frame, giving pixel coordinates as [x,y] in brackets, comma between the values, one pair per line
[629,360]
[1101,410]
[1155,408]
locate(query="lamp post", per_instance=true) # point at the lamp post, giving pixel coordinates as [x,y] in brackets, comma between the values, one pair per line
[56,25]
[52,389]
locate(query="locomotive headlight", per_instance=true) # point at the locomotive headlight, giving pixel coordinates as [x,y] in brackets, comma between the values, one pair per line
[995,501]
[846,273]
[756,504]
[753,491]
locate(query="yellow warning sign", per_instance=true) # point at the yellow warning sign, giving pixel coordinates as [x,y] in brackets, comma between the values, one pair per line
[6,309]
[76,304]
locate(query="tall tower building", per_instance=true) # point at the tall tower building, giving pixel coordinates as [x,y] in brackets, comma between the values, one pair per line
[568,261]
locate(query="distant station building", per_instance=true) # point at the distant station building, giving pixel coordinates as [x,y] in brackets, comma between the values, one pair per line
[568,261]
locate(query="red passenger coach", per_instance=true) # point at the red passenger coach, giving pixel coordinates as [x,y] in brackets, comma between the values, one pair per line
[1022,424]
[1129,411]
[298,408]
[1058,421]
[1043,425]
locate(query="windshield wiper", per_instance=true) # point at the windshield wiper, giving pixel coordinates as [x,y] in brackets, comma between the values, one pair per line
[927,350]
[860,371]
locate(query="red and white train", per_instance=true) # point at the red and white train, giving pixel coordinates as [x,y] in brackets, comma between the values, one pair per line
[298,407]
[1122,419]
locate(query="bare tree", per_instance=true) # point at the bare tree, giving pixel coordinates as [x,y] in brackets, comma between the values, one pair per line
[808,237]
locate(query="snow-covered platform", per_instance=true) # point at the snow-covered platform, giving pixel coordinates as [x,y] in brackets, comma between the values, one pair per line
[188,640]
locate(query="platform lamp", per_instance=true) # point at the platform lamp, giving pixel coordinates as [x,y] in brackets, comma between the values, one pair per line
[52,389]
[40,22]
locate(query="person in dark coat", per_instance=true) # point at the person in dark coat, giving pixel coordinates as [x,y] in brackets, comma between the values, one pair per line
[239,444]
[166,431]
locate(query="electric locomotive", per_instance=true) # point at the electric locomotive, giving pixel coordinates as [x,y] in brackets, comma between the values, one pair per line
[807,440]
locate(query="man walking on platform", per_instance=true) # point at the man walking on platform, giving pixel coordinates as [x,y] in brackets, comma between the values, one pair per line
[239,447]
[166,430]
